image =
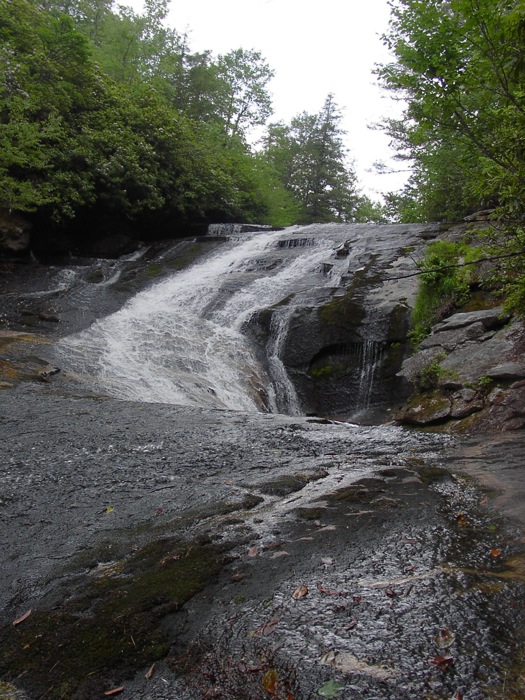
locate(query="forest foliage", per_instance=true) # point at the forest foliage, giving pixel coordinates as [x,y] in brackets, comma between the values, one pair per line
[460,69]
[109,120]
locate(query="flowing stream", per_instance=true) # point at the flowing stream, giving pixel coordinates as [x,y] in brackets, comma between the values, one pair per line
[181,341]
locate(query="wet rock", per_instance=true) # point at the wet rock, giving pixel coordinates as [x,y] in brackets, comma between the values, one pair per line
[506,409]
[449,339]
[467,394]
[425,409]
[462,409]
[490,318]
[50,318]
[15,233]
[464,356]
[508,371]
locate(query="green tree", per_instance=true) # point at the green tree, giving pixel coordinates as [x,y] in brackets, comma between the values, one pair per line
[243,100]
[311,161]
[460,68]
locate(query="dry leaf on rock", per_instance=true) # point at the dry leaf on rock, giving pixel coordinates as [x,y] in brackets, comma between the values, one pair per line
[115,691]
[265,629]
[269,681]
[277,555]
[150,672]
[21,618]
[348,663]
[445,638]
[329,591]
[443,662]
[300,592]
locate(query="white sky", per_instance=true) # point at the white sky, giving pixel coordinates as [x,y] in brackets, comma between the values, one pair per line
[314,48]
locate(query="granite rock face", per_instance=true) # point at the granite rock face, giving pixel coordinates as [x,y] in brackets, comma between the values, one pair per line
[472,366]
[345,344]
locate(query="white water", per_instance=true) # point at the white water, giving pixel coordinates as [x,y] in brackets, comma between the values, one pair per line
[181,340]
[370,358]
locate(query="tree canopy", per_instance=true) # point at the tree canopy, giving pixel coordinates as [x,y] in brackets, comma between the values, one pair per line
[460,67]
[107,118]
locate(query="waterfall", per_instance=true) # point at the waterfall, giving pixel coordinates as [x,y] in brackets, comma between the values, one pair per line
[370,359]
[181,341]
[283,397]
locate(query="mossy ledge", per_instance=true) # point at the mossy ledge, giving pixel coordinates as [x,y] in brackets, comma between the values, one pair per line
[112,626]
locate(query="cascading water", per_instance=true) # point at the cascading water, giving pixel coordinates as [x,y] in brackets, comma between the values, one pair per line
[282,395]
[181,340]
[371,354]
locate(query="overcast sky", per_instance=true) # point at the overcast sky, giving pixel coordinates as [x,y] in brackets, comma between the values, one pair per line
[314,48]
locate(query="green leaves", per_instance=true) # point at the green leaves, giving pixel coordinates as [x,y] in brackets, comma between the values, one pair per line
[456,67]
[330,689]
[310,159]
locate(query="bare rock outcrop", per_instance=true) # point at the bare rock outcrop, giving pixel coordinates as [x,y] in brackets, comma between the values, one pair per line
[469,371]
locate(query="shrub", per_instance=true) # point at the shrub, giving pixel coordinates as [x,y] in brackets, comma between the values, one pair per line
[445,283]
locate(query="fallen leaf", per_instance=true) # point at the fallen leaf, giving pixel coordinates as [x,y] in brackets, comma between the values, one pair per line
[328,591]
[253,551]
[269,681]
[330,689]
[390,592]
[353,623]
[150,672]
[21,618]
[159,511]
[495,552]
[462,522]
[277,555]
[265,629]
[443,662]
[239,577]
[300,592]
[445,638]
[348,663]
[115,691]
[483,502]
[458,695]
[109,509]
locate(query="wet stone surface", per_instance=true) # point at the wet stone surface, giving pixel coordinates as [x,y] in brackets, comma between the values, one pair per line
[230,555]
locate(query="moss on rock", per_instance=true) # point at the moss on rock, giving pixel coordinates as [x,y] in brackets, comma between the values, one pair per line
[112,626]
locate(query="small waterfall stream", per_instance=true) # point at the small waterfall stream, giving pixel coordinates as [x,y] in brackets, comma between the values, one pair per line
[181,340]
[282,394]
[371,354]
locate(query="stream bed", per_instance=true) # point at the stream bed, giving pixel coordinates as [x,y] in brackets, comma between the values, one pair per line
[235,555]
[179,549]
